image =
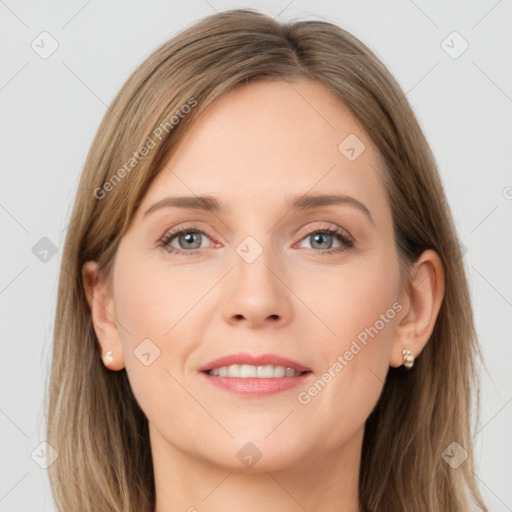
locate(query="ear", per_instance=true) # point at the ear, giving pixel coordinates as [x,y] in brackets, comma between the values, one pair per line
[421,299]
[101,305]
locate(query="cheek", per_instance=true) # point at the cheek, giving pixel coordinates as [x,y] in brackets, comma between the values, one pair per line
[151,309]
[354,302]
[150,301]
[159,310]
[360,312]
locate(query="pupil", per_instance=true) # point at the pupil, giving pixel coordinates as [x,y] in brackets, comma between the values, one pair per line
[318,239]
[188,237]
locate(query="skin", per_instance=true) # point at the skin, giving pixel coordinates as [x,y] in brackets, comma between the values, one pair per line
[253,149]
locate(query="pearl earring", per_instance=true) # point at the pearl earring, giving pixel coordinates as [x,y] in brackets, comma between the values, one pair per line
[408,358]
[107,358]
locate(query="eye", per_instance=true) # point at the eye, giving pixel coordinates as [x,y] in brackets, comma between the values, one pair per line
[323,239]
[185,240]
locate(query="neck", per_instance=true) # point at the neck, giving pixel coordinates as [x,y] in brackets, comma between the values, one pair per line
[324,481]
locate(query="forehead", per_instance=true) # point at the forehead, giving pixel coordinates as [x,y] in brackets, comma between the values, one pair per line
[266,140]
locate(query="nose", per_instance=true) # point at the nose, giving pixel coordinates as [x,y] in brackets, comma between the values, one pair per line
[257,295]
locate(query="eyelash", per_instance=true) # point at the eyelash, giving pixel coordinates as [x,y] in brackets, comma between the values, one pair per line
[166,240]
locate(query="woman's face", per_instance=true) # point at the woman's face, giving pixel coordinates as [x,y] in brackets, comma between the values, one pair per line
[317,283]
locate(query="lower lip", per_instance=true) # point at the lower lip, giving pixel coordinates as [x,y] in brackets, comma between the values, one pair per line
[256,387]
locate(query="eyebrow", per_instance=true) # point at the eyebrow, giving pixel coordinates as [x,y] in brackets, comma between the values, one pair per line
[298,203]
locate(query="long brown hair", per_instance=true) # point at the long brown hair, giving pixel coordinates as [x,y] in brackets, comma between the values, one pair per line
[94,421]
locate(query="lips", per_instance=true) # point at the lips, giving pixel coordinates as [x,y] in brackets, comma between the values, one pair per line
[255,360]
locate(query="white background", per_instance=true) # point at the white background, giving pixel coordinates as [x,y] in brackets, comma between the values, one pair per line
[50,110]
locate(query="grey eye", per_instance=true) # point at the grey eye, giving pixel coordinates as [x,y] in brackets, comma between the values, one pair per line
[321,240]
[190,240]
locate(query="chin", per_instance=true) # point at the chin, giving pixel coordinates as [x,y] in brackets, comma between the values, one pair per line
[257,454]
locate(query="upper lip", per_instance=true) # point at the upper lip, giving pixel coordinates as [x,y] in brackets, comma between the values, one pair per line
[255,360]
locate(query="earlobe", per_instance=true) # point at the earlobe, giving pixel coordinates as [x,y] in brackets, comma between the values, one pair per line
[101,306]
[422,300]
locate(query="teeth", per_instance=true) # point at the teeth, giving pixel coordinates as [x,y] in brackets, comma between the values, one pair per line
[245,371]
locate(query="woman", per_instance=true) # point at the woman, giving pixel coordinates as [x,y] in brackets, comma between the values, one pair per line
[262,303]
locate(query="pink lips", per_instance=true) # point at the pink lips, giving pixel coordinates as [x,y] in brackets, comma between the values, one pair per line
[253,386]
[261,360]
